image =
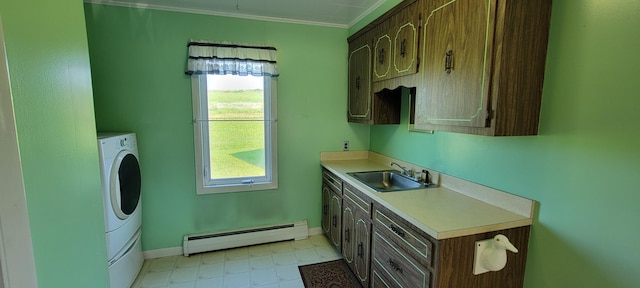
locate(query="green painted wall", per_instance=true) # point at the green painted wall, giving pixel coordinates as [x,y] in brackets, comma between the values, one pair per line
[584,166]
[138,59]
[50,76]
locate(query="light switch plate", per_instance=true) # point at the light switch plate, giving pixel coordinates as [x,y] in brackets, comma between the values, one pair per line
[480,246]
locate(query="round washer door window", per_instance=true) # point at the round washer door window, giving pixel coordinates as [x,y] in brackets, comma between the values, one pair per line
[125,188]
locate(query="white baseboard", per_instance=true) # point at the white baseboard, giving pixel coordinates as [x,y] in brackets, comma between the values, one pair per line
[315,231]
[175,251]
[164,252]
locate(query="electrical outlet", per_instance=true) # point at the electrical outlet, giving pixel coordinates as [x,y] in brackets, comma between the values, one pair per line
[345,146]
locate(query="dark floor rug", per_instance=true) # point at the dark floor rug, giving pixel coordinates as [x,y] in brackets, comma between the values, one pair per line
[332,274]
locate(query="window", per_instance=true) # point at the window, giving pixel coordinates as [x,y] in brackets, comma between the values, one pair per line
[235,132]
[234,108]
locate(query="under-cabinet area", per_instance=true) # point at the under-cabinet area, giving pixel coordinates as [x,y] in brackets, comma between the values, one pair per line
[477,66]
[420,237]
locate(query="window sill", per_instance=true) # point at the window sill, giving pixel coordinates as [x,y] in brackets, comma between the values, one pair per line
[235,188]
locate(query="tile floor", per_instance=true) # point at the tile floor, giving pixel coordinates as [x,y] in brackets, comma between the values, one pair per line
[265,266]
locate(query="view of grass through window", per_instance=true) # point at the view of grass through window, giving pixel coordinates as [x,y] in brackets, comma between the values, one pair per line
[236,126]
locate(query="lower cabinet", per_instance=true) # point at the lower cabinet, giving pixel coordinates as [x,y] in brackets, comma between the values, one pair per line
[402,257]
[405,256]
[385,250]
[391,262]
[356,232]
[332,208]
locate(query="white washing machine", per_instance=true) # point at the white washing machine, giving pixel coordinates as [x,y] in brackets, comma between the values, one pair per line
[121,183]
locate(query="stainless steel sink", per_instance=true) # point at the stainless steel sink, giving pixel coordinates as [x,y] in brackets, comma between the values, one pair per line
[387,181]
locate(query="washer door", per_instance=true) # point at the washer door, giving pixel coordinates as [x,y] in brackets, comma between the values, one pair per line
[125,184]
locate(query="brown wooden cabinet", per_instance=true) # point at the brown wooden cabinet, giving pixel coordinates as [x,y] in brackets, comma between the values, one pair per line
[405,256]
[405,36]
[332,208]
[359,106]
[387,49]
[382,51]
[395,42]
[402,256]
[482,66]
[477,65]
[356,234]
[384,249]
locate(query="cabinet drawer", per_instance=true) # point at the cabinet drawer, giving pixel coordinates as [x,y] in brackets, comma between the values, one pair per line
[416,244]
[334,182]
[396,265]
[357,198]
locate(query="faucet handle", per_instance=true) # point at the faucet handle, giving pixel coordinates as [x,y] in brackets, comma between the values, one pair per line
[409,172]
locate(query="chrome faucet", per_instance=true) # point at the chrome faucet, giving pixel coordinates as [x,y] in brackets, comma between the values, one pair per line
[405,171]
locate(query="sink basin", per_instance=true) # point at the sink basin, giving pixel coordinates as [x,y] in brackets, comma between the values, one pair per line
[387,181]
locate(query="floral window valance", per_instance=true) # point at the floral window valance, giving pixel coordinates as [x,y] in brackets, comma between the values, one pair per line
[225,58]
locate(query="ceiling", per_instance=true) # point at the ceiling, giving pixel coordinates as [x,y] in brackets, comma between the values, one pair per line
[335,13]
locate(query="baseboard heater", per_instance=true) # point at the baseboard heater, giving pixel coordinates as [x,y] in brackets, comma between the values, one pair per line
[244,237]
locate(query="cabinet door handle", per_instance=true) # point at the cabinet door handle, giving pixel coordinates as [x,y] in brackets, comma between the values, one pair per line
[360,249]
[335,221]
[358,83]
[347,235]
[325,209]
[448,62]
[394,265]
[381,56]
[397,230]
[403,47]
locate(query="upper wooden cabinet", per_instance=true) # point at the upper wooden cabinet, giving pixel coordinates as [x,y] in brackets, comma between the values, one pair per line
[364,105]
[477,65]
[382,52]
[359,100]
[396,44]
[482,66]
[405,26]
[378,55]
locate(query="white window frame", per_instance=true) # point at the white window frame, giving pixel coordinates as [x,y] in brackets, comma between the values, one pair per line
[201,139]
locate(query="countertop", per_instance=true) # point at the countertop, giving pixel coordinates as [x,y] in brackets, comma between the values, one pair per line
[441,212]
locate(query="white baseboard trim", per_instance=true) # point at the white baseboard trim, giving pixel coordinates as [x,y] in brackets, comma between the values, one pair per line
[164,252]
[174,251]
[315,231]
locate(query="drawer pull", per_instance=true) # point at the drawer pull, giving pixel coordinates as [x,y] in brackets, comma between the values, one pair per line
[397,230]
[394,265]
